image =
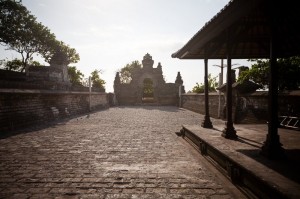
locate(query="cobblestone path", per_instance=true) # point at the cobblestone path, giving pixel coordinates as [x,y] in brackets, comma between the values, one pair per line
[121,152]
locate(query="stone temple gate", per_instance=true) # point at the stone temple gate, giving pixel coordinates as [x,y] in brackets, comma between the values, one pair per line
[148,86]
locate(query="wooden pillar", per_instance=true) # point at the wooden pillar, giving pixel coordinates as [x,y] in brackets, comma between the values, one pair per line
[272,147]
[90,93]
[229,132]
[206,122]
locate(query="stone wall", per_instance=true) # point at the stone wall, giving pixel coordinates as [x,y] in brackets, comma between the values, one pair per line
[250,108]
[18,80]
[195,102]
[20,108]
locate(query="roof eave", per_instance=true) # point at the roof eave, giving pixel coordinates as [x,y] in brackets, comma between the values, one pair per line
[220,22]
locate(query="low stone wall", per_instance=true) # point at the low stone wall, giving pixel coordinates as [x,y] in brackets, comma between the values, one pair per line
[18,80]
[250,108]
[196,103]
[19,108]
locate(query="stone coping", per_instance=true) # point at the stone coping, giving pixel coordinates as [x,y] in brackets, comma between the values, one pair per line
[38,91]
[191,94]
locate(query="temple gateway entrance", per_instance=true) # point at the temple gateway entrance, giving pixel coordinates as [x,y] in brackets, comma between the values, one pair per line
[148,91]
[147,86]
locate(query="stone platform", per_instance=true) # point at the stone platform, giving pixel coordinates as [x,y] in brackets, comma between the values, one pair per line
[241,162]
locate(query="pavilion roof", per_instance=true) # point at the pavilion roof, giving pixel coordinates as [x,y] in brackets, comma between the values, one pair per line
[247,26]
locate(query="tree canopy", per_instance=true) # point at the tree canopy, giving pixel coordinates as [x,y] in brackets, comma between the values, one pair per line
[212,85]
[125,72]
[16,64]
[75,76]
[97,82]
[20,31]
[288,73]
[59,46]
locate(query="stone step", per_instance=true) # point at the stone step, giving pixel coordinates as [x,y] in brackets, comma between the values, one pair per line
[240,162]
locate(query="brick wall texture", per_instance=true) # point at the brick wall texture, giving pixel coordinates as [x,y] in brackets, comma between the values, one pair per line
[20,108]
[196,103]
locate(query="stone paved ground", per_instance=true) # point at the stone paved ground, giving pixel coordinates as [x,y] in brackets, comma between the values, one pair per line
[121,152]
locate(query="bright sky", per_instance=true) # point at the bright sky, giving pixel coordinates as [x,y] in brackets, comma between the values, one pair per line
[108,34]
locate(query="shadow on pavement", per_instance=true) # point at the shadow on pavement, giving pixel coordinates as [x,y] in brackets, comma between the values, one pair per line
[249,142]
[38,127]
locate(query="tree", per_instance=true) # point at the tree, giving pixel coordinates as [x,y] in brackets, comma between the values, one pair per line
[212,84]
[126,71]
[17,64]
[59,46]
[97,82]
[288,73]
[35,64]
[13,18]
[71,53]
[14,65]
[20,31]
[75,76]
